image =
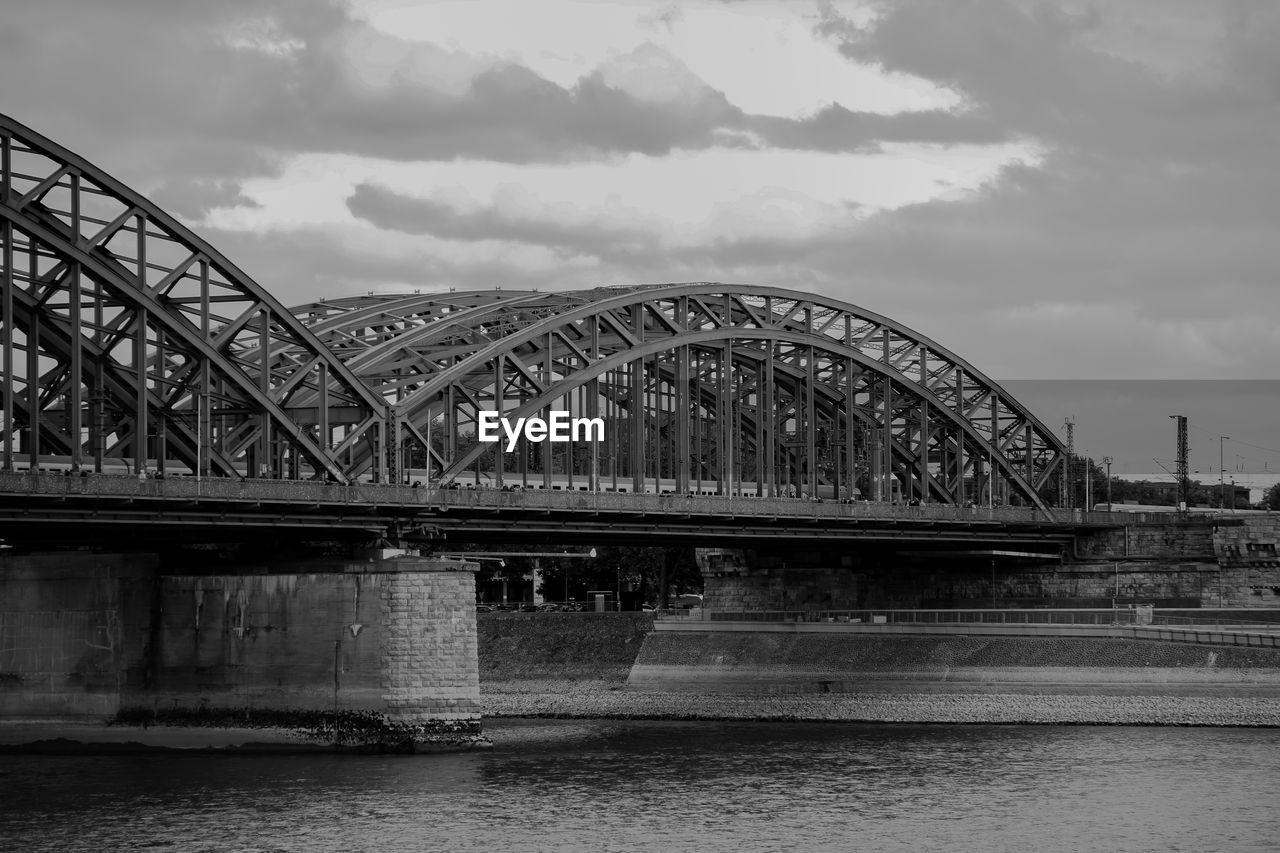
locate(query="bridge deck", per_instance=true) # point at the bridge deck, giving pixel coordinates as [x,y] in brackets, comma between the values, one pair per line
[186,501]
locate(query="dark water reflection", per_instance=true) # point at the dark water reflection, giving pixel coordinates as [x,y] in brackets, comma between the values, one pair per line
[570,786]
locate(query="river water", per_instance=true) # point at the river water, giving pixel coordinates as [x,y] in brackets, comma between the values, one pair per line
[605,785]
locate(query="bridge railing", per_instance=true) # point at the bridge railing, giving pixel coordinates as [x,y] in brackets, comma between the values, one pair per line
[207,488]
[726,505]
[1213,631]
[436,498]
[1040,616]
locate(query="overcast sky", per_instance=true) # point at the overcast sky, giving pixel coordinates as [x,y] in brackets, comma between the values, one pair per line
[1052,190]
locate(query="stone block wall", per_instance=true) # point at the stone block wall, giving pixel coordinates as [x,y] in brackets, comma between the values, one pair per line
[1249,555]
[428,649]
[1197,562]
[1179,540]
[1072,585]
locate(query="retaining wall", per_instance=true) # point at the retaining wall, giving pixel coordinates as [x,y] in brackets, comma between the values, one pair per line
[755,660]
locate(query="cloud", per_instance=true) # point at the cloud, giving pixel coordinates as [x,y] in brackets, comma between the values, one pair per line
[222,91]
[387,209]
[836,128]
[1153,201]
[191,199]
[1146,205]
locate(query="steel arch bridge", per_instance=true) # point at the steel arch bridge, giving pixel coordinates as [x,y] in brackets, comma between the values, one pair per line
[130,343]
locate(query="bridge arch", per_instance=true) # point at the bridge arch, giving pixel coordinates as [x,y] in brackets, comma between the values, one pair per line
[128,341]
[700,383]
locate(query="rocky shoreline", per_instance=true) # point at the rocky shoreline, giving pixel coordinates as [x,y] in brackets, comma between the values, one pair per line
[605,701]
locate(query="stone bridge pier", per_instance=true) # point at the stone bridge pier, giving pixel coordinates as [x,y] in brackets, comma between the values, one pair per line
[376,653]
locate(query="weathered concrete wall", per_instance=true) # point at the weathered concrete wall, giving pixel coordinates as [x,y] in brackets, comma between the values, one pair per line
[73,631]
[306,641]
[392,641]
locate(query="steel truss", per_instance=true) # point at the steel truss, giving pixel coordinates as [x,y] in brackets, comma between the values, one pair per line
[716,387]
[129,343]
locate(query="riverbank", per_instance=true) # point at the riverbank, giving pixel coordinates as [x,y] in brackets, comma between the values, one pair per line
[618,667]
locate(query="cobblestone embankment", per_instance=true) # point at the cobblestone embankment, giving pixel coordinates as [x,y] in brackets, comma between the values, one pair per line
[582,701]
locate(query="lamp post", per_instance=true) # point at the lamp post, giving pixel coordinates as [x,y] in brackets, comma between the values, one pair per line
[1222,482]
[1107,461]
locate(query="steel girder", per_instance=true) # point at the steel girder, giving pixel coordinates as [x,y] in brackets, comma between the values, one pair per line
[129,342]
[701,385]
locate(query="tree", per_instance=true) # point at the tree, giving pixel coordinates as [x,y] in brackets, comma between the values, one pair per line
[1273,497]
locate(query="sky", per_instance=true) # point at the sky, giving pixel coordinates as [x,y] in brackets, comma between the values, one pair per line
[1052,190]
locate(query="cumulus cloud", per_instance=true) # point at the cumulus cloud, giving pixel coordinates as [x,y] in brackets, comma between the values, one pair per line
[1154,199]
[1148,209]
[390,210]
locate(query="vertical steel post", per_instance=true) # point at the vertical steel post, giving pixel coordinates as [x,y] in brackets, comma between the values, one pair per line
[697,419]
[499,380]
[204,428]
[140,422]
[850,427]
[682,415]
[995,448]
[75,398]
[810,418]
[161,410]
[265,460]
[886,444]
[759,428]
[655,423]
[922,468]
[769,450]
[636,417]
[961,462]
[1030,458]
[141,427]
[6,302]
[726,422]
[33,387]
[548,379]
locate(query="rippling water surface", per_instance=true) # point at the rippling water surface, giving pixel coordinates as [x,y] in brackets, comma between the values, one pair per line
[594,785]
